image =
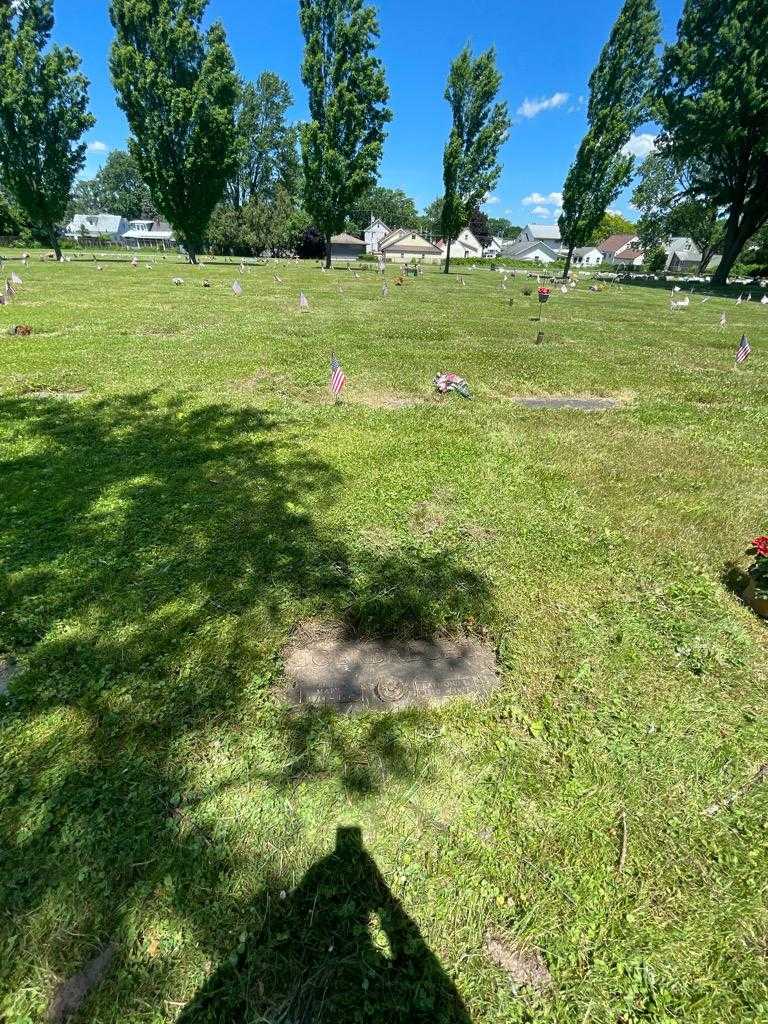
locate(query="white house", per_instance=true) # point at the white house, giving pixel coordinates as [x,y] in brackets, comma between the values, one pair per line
[587,256]
[109,226]
[374,234]
[493,249]
[465,247]
[148,232]
[407,246]
[548,233]
[531,252]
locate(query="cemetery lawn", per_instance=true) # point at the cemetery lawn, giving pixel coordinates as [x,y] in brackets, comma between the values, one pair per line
[183,494]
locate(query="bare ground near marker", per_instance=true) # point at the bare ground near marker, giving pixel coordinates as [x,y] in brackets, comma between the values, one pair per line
[69,994]
[525,968]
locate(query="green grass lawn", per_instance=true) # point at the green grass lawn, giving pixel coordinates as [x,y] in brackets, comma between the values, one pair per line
[162,536]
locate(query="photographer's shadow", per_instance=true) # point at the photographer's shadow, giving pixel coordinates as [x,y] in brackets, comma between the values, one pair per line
[339,949]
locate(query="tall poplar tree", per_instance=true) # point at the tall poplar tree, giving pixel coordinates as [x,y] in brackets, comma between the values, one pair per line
[619,101]
[713,94]
[178,88]
[480,127]
[342,144]
[43,115]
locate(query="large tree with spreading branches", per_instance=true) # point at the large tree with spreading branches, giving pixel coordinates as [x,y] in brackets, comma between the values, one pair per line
[619,101]
[343,141]
[713,100]
[177,85]
[43,115]
[480,126]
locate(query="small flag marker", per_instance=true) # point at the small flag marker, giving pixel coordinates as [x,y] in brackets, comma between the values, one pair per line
[338,377]
[744,350]
[303,301]
[723,321]
[237,288]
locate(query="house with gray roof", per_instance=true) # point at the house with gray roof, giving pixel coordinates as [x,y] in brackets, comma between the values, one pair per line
[96,226]
[548,233]
[531,251]
[682,254]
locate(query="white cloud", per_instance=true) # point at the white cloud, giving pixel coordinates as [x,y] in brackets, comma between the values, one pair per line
[540,211]
[537,199]
[530,108]
[97,147]
[640,144]
[491,200]
[615,213]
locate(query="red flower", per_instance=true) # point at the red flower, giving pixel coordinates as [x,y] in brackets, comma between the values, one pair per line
[760,544]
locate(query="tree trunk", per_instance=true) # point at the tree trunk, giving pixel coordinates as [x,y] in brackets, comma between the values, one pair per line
[327,252]
[568,259]
[448,255]
[55,243]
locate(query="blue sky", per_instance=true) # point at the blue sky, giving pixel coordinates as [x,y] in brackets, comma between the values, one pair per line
[545,55]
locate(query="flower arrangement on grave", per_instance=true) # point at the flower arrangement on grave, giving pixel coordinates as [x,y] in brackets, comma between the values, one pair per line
[756,593]
[543,294]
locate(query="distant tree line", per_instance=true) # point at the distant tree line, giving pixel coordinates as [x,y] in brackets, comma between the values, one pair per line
[216,157]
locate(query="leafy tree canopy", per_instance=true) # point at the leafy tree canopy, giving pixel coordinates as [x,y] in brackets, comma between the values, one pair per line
[43,115]
[503,228]
[392,205]
[713,105]
[480,126]
[267,157]
[117,188]
[619,101]
[177,85]
[343,141]
[611,224]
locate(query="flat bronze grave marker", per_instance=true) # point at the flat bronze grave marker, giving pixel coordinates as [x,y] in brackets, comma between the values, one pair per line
[364,675]
[566,402]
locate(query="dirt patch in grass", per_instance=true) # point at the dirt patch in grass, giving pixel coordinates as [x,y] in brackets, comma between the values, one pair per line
[525,968]
[8,669]
[69,994]
[63,394]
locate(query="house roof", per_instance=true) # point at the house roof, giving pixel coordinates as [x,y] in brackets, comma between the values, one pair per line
[405,240]
[346,239]
[546,232]
[375,221]
[519,249]
[584,249]
[630,255]
[613,243]
[95,223]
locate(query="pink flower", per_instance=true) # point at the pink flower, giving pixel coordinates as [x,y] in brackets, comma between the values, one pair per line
[760,544]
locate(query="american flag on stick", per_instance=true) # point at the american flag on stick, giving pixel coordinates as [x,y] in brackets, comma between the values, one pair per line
[303,301]
[744,350]
[338,377]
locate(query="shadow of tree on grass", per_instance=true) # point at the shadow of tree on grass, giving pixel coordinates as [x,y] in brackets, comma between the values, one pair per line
[156,554]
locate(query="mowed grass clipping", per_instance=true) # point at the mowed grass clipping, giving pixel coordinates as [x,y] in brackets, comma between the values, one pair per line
[192,495]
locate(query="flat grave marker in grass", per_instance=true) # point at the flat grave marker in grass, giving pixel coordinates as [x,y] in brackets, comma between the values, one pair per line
[352,675]
[582,404]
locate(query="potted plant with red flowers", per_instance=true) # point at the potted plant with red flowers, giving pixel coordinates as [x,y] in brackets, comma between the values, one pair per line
[756,593]
[543,293]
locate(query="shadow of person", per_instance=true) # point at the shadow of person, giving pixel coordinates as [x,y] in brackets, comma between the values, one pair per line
[338,949]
